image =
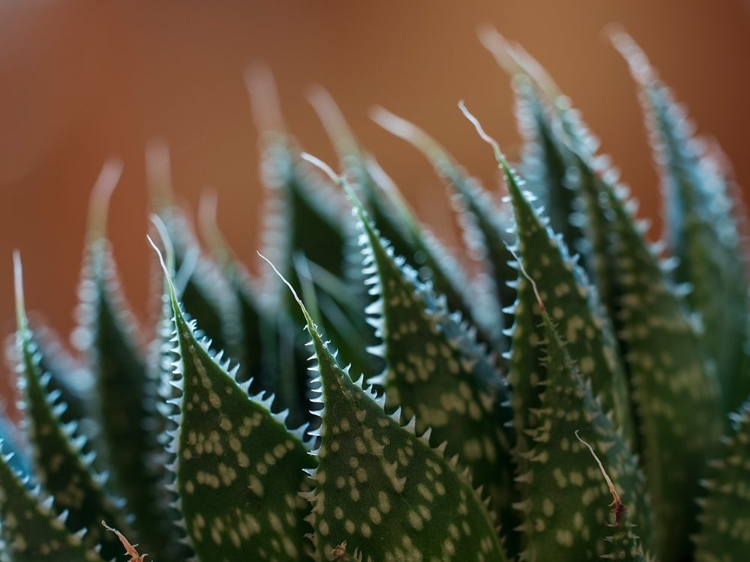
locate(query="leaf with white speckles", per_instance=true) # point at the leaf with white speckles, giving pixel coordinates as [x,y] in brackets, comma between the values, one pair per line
[239,469]
[203,290]
[701,229]
[126,390]
[625,545]
[574,304]
[438,373]
[309,237]
[548,164]
[382,491]
[64,473]
[567,504]
[31,531]
[675,394]
[725,513]
[392,216]
[486,222]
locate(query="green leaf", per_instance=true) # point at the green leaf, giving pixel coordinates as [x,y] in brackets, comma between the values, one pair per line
[396,222]
[17,451]
[486,219]
[239,469]
[67,375]
[566,515]
[676,396]
[32,533]
[305,226]
[382,493]
[126,389]
[625,545]
[437,372]
[62,470]
[548,164]
[259,338]
[701,229]
[574,305]
[725,513]
[203,290]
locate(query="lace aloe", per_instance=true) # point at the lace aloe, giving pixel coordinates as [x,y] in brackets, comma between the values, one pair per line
[583,395]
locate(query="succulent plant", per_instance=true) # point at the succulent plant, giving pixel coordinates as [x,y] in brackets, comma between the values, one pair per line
[584,396]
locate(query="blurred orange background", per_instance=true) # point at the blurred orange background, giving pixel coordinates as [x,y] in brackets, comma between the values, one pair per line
[82,81]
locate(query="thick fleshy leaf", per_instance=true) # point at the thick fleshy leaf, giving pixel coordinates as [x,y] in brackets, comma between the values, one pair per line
[677,397]
[397,223]
[62,470]
[15,446]
[489,221]
[259,340]
[549,165]
[566,507]
[437,372]
[381,492]
[573,304]
[725,514]
[126,389]
[29,528]
[203,290]
[625,545]
[701,230]
[305,232]
[239,469]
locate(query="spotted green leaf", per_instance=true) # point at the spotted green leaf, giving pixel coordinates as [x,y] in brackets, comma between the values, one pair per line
[305,226]
[62,470]
[259,341]
[489,223]
[625,545]
[725,513]
[574,304]
[437,372]
[381,492]
[701,230]
[30,530]
[203,290]
[676,396]
[548,164]
[239,469]
[18,455]
[126,392]
[566,509]
[397,223]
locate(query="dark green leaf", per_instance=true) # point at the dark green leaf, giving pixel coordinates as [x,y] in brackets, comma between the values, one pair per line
[239,469]
[31,531]
[381,492]
[701,230]
[61,468]
[437,372]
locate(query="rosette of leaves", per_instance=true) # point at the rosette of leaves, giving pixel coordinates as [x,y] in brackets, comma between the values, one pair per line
[610,420]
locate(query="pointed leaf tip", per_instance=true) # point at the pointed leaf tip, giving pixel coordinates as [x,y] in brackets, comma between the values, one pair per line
[18,287]
[167,274]
[264,99]
[101,193]
[308,318]
[499,156]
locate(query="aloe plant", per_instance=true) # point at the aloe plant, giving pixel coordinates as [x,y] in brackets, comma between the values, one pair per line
[586,396]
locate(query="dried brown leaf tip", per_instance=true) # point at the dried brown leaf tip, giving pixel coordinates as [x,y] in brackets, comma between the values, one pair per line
[618,508]
[339,553]
[129,548]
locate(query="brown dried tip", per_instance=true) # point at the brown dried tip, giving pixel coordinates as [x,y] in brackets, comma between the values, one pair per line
[618,508]
[129,548]
[339,553]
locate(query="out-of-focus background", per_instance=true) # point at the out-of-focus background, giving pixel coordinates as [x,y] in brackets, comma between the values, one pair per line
[82,81]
